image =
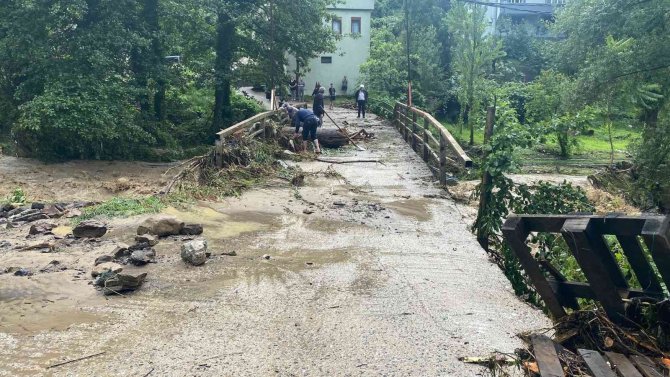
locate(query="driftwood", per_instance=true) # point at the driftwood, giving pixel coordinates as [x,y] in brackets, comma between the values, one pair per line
[328,137]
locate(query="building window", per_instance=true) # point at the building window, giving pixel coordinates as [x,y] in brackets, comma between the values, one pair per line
[555,2]
[519,1]
[337,26]
[355,25]
[326,59]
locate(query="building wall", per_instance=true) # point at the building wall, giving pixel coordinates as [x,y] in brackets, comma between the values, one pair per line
[350,54]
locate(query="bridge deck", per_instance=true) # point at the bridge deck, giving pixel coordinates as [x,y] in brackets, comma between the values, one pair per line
[383,278]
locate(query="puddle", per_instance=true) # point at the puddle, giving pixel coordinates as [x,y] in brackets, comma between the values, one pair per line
[415,208]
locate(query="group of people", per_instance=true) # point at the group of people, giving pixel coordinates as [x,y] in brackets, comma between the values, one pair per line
[311,120]
[297,89]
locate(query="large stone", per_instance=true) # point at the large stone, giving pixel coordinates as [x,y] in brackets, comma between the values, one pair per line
[148,239]
[161,225]
[103,259]
[192,230]
[89,229]
[194,252]
[107,266]
[37,205]
[142,257]
[114,283]
[42,227]
[53,211]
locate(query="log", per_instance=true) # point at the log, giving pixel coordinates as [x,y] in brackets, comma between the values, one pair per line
[328,137]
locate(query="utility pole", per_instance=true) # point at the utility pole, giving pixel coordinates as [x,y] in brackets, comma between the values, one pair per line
[409,71]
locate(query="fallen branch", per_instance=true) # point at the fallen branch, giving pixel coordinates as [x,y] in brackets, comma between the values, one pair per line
[75,360]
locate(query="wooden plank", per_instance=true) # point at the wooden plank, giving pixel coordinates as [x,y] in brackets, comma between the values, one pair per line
[588,254]
[515,234]
[622,366]
[583,290]
[443,161]
[656,234]
[546,356]
[596,363]
[645,366]
[246,123]
[414,131]
[643,271]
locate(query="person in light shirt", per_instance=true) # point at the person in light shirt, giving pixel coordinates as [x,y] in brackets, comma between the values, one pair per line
[361,97]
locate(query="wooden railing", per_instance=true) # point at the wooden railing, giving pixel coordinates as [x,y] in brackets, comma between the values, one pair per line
[583,235]
[417,127]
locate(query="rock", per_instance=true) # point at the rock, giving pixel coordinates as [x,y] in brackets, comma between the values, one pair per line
[194,252]
[267,257]
[53,266]
[452,181]
[71,213]
[114,283]
[142,257]
[81,204]
[103,259]
[339,204]
[37,205]
[23,272]
[192,230]
[107,266]
[3,215]
[27,215]
[41,227]
[148,239]
[89,229]
[230,253]
[121,251]
[15,211]
[7,207]
[161,225]
[5,245]
[53,211]
[307,211]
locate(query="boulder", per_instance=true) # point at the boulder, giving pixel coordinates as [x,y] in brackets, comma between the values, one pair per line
[147,239]
[161,225]
[53,266]
[41,227]
[37,205]
[7,207]
[89,229]
[53,211]
[142,257]
[194,252]
[192,230]
[114,283]
[23,272]
[120,251]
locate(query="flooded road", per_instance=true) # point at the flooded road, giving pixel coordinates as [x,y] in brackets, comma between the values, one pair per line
[383,278]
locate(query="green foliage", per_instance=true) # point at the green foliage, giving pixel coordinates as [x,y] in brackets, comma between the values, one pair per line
[17,196]
[474,52]
[652,159]
[122,207]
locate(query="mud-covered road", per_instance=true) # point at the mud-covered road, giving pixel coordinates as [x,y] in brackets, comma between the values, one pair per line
[383,278]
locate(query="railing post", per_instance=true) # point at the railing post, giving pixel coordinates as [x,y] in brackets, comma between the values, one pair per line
[414,131]
[426,129]
[406,129]
[218,159]
[396,118]
[443,160]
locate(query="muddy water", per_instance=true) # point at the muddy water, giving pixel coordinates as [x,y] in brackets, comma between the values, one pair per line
[414,208]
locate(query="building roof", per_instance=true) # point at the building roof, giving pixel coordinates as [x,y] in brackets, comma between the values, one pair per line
[354,5]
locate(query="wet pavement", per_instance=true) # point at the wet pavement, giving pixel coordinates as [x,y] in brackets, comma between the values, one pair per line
[383,278]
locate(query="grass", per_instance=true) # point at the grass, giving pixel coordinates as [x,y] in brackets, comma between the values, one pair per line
[122,207]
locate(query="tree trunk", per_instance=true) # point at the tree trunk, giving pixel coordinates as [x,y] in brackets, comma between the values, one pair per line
[225,36]
[328,137]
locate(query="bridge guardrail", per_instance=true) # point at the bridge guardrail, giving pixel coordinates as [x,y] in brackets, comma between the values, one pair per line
[421,138]
[251,127]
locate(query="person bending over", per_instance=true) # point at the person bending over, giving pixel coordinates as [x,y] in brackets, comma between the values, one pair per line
[318,105]
[309,123]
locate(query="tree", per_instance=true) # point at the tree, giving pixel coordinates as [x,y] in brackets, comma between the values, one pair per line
[473,55]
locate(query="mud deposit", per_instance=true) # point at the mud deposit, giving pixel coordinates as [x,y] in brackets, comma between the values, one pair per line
[376,280]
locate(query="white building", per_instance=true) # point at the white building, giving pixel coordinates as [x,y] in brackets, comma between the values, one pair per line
[352,21]
[531,12]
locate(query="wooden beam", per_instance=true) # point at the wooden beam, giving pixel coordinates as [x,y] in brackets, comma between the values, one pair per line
[426,148]
[596,363]
[643,271]
[515,234]
[583,290]
[656,234]
[546,356]
[646,366]
[594,262]
[622,366]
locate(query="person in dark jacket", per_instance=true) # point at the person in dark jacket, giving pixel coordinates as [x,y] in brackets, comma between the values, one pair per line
[318,106]
[331,94]
[361,97]
[309,123]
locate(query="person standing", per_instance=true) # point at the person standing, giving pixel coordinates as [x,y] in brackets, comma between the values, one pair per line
[294,89]
[318,106]
[345,85]
[331,93]
[301,89]
[316,89]
[361,97]
[309,123]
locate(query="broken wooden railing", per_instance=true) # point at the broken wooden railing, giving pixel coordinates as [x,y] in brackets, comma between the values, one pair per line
[416,127]
[584,236]
[256,126]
